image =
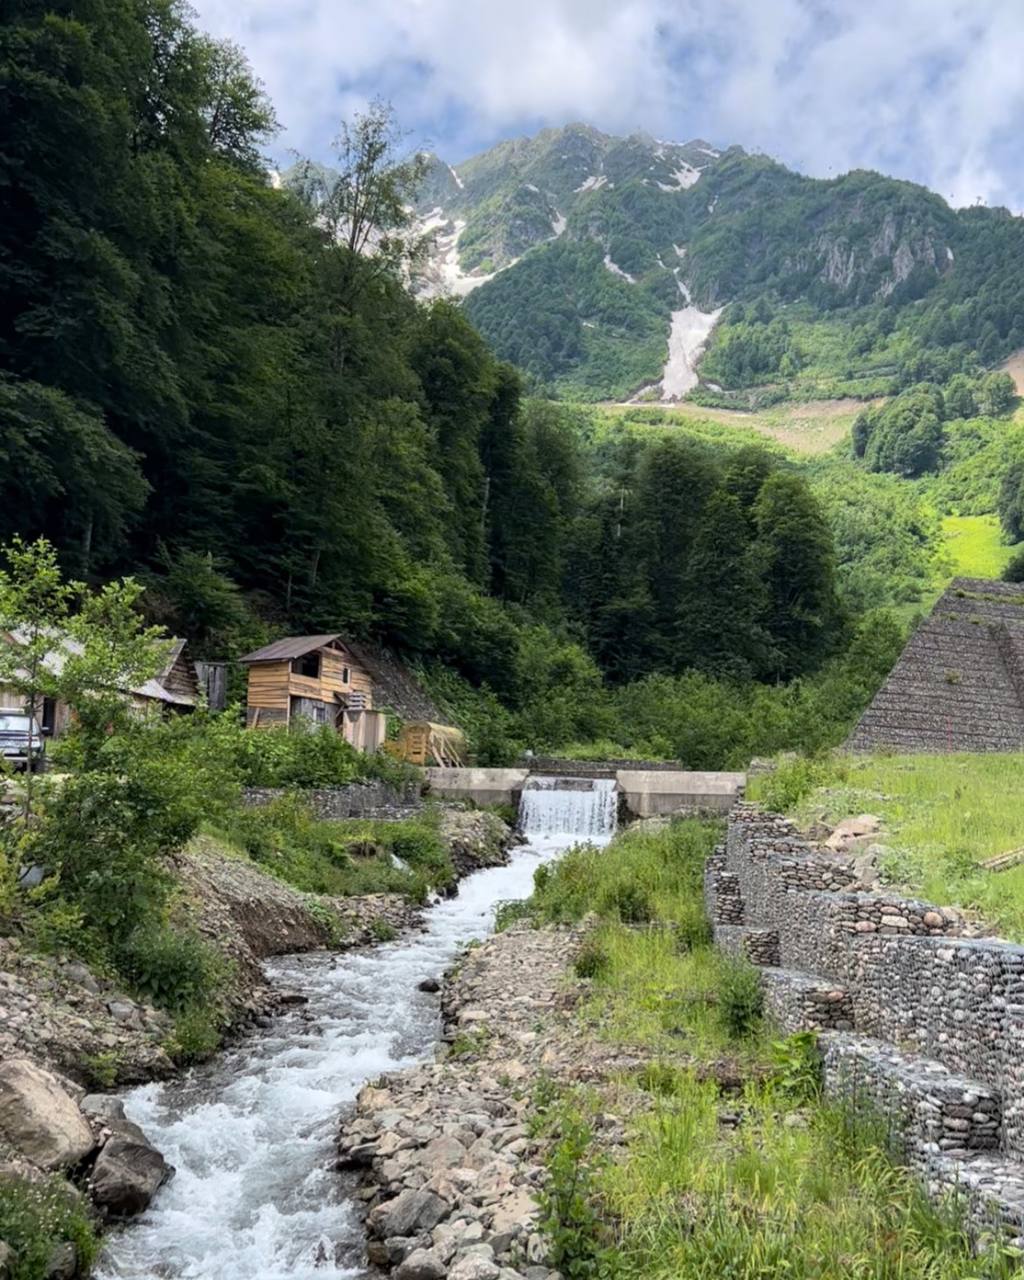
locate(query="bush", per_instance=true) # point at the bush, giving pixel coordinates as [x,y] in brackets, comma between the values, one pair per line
[1014,570]
[793,780]
[37,1217]
[197,1034]
[592,960]
[740,999]
[507,913]
[797,1065]
[175,970]
[627,900]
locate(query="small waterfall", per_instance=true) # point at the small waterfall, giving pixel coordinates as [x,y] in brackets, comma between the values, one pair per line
[582,807]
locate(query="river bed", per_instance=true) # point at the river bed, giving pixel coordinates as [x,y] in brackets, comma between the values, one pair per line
[251,1134]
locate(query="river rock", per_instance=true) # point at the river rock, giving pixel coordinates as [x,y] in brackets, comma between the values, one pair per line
[518,1210]
[474,1267]
[421,1264]
[429,984]
[407,1214]
[126,1176]
[62,1263]
[106,1110]
[444,1153]
[39,1118]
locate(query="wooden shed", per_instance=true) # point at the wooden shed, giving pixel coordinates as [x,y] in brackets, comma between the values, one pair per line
[315,679]
[424,742]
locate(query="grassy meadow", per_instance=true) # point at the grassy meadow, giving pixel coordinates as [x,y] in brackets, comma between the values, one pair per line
[975,546]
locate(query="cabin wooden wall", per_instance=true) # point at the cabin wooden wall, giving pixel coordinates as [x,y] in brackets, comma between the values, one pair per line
[267,701]
[273,685]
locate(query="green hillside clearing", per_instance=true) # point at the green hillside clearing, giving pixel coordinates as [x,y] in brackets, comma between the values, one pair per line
[975,546]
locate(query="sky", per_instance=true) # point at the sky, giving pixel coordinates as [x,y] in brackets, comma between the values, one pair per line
[930,90]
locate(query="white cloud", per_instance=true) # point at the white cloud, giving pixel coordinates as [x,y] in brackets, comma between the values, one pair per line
[927,89]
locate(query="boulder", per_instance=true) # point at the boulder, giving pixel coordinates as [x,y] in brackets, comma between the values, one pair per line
[126,1176]
[421,1264]
[518,1210]
[473,1267]
[429,984]
[853,833]
[443,1153]
[39,1118]
[108,1111]
[6,1261]
[407,1214]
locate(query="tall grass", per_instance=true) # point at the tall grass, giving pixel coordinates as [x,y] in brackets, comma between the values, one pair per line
[819,1200]
[942,815]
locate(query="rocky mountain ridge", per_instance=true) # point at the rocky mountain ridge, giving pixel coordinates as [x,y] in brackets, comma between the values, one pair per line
[604,266]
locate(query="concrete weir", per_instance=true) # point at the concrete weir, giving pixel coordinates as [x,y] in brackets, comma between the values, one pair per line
[644,793]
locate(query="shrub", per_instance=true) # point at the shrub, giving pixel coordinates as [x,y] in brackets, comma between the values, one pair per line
[1014,570]
[175,970]
[740,998]
[592,960]
[627,900]
[581,1245]
[36,1217]
[382,930]
[197,1034]
[793,780]
[797,1065]
[507,913]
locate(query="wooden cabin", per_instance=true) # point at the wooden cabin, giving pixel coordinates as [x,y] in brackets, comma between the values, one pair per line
[315,679]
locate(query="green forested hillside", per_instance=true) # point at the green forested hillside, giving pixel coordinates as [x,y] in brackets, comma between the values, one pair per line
[861,284]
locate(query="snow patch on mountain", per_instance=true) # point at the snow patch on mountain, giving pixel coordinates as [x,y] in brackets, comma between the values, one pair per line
[616,270]
[688,336]
[443,275]
[684,177]
[593,183]
[458,181]
[558,224]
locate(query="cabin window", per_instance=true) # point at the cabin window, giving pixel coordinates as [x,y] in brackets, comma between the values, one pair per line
[307,665]
[346,675]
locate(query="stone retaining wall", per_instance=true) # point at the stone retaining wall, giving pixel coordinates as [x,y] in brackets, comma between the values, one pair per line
[355,800]
[917,1015]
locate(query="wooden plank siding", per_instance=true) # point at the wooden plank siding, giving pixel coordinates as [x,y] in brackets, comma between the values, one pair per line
[273,685]
[268,685]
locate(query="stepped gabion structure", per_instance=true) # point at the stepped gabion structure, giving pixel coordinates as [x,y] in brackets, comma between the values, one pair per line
[959,683]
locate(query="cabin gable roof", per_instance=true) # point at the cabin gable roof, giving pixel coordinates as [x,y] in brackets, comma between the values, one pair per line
[288,648]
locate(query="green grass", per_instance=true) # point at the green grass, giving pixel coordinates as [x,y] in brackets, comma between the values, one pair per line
[975,546]
[801,1188]
[341,859]
[820,1200]
[942,816]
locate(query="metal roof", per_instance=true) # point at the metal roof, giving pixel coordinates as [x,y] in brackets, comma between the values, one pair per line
[289,647]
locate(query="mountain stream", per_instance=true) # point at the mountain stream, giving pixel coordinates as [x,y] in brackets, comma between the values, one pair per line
[251,1134]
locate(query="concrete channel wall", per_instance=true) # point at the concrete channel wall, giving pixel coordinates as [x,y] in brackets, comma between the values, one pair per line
[644,793]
